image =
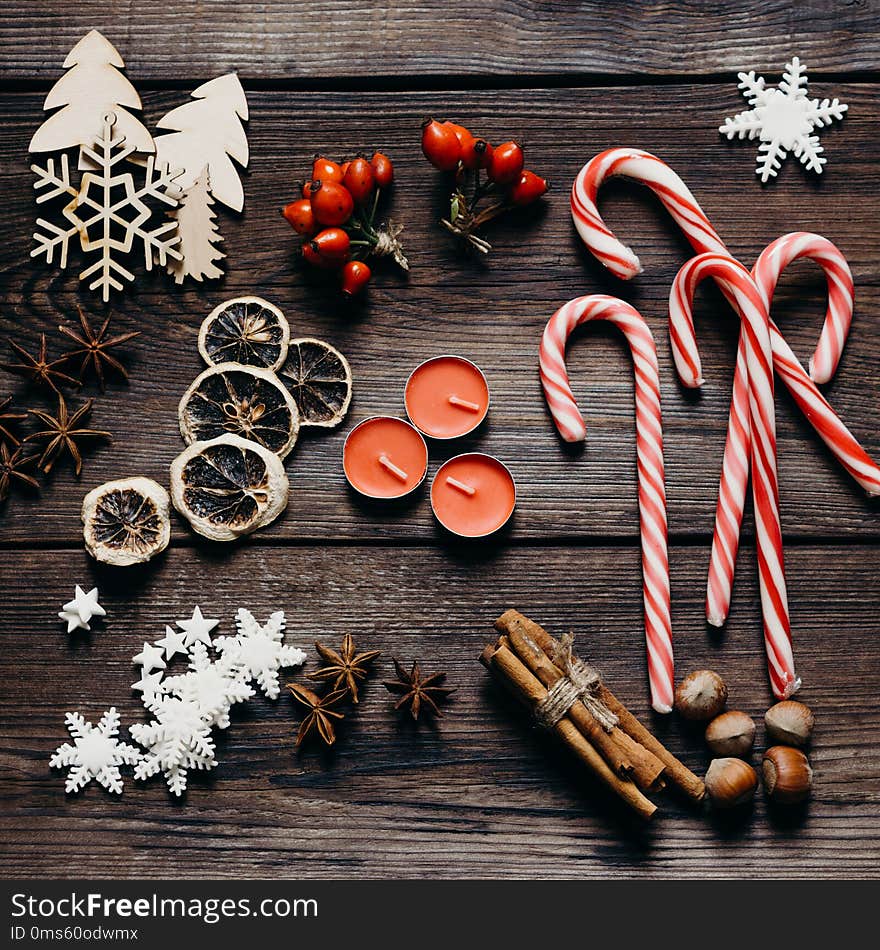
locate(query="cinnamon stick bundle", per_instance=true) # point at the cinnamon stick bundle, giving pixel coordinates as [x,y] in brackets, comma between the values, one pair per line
[526,687]
[514,623]
[626,756]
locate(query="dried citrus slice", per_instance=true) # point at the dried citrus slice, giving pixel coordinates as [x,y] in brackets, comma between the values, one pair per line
[126,521]
[319,378]
[241,400]
[228,487]
[246,330]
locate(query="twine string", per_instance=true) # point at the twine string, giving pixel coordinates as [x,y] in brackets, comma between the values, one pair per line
[579,682]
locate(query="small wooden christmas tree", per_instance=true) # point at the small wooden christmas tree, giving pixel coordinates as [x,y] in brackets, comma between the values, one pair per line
[208,132]
[198,232]
[91,89]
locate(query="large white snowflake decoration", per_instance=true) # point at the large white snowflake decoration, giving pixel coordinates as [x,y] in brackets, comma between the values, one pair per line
[213,685]
[260,650]
[108,212]
[178,739]
[784,119]
[96,753]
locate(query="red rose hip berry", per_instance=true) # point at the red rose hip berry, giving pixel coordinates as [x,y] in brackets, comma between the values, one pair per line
[507,163]
[331,244]
[383,169]
[359,180]
[324,169]
[355,276]
[529,188]
[300,217]
[441,145]
[332,203]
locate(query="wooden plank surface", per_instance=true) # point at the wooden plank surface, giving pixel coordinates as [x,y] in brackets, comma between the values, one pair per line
[480,795]
[327,40]
[538,265]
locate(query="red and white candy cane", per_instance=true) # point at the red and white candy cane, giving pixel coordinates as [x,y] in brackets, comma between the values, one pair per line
[649,441]
[740,288]
[681,204]
[734,470]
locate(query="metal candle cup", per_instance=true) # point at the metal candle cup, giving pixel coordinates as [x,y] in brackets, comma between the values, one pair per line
[384,457]
[446,397]
[473,495]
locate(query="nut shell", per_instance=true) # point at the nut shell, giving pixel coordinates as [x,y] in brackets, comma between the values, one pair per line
[789,723]
[730,782]
[126,521]
[731,734]
[701,695]
[788,776]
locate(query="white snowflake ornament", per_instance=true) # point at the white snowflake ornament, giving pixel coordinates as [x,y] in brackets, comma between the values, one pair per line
[260,650]
[177,740]
[783,119]
[213,685]
[78,613]
[197,629]
[96,753]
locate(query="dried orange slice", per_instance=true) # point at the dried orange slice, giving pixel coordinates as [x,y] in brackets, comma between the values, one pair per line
[126,521]
[228,487]
[246,330]
[319,378]
[241,400]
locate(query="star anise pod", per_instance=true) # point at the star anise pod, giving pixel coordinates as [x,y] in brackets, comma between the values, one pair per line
[418,692]
[93,348]
[321,715]
[345,668]
[6,433]
[38,369]
[62,433]
[12,468]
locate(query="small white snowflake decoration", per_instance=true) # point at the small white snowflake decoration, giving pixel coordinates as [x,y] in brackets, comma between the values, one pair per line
[783,119]
[96,753]
[78,613]
[177,740]
[213,685]
[260,650]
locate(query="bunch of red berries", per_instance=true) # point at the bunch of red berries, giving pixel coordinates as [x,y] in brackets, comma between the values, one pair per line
[452,148]
[336,217]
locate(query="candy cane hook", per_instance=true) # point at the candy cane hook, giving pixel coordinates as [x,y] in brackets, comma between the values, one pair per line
[734,470]
[649,441]
[739,287]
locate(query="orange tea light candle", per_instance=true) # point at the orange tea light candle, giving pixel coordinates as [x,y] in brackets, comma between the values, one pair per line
[384,458]
[473,495]
[446,397]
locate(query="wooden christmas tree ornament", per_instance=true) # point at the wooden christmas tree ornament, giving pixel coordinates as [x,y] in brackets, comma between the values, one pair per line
[207,131]
[92,88]
[198,232]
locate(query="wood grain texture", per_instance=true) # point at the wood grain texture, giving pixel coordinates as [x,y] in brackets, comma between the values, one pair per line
[538,264]
[328,39]
[480,795]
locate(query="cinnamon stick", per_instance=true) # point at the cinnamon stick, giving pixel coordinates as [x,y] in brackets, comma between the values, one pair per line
[677,772]
[626,756]
[530,691]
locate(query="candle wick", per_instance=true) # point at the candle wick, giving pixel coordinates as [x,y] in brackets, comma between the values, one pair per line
[464,404]
[461,486]
[389,466]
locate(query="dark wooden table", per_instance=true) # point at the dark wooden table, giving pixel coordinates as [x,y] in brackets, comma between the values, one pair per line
[480,794]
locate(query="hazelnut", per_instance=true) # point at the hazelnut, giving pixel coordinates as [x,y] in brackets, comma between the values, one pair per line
[731,733]
[730,782]
[701,695]
[789,723]
[788,776]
